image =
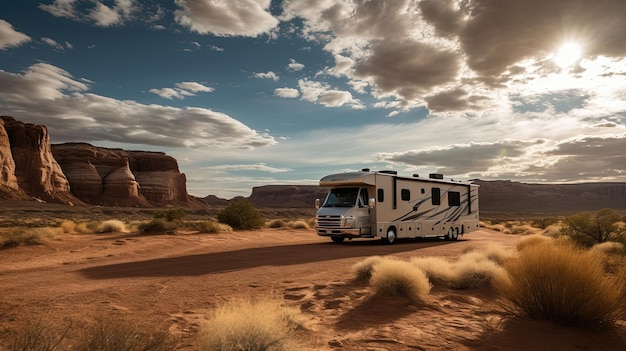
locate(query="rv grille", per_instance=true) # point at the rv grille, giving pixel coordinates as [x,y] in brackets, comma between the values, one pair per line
[329,221]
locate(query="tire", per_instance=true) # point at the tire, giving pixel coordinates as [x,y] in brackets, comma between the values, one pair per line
[454,234]
[337,239]
[391,237]
[450,235]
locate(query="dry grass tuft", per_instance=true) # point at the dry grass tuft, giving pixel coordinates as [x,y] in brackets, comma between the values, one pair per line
[275,223]
[111,226]
[118,335]
[27,236]
[561,283]
[475,270]
[399,278]
[299,225]
[496,253]
[251,325]
[68,226]
[363,269]
[532,240]
[438,270]
[211,227]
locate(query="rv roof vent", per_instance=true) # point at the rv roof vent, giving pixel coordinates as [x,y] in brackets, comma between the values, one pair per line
[435,176]
[416,175]
[365,170]
[388,172]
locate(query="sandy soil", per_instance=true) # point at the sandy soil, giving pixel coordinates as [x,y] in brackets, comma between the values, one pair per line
[173,281]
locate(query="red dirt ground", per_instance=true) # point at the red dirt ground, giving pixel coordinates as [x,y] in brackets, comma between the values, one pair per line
[173,281]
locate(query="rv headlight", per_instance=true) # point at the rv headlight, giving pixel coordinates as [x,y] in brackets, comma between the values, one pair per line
[347,221]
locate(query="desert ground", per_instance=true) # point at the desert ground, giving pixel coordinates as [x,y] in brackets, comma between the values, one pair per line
[175,281]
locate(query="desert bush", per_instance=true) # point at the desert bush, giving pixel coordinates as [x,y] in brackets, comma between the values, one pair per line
[544,222]
[438,269]
[118,335]
[27,236]
[399,278]
[38,335]
[563,284]
[363,269]
[112,225]
[524,229]
[612,255]
[68,226]
[276,223]
[588,229]
[299,225]
[241,215]
[496,253]
[208,227]
[263,325]
[475,270]
[171,215]
[531,240]
[158,225]
[553,230]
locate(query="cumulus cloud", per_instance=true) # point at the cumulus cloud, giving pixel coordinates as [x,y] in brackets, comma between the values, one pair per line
[294,66]
[9,37]
[182,90]
[48,95]
[287,93]
[323,94]
[96,12]
[249,18]
[267,75]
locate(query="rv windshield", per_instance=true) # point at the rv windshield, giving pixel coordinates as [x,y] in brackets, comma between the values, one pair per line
[341,197]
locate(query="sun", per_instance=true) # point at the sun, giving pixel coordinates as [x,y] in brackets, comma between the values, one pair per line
[567,55]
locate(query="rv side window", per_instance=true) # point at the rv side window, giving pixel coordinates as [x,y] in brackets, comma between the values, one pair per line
[405,194]
[454,198]
[436,192]
[363,198]
[381,195]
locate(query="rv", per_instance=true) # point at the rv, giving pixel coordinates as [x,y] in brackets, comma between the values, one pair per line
[382,204]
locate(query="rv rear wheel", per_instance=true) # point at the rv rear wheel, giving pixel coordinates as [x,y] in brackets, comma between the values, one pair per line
[453,234]
[337,239]
[391,236]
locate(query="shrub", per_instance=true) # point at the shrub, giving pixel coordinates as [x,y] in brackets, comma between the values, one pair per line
[158,225]
[438,270]
[364,268]
[208,227]
[38,335]
[68,226]
[241,215]
[299,225]
[171,215]
[27,236]
[116,335]
[251,326]
[588,229]
[399,278]
[544,222]
[562,284]
[475,270]
[532,240]
[112,225]
[276,223]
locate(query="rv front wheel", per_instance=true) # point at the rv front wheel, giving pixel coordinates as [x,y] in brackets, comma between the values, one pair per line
[337,239]
[391,236]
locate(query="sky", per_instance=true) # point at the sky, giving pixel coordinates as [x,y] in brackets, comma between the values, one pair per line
[246,93]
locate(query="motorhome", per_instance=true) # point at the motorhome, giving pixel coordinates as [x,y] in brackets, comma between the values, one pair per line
[382,204]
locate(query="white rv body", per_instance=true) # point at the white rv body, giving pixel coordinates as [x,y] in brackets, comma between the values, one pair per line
[371,204]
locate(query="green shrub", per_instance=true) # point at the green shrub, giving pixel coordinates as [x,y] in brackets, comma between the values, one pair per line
[241,215]
[158,225]
[558,282]
[263,325]
[544,222]
[589,229]
[171,215]
[399,278]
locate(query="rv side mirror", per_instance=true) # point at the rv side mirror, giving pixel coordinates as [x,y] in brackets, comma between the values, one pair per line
[317,204]
[371,202]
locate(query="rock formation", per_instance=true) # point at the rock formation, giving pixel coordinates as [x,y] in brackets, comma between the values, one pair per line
[36,171]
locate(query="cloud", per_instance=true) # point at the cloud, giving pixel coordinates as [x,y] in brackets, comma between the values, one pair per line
[323,94]
[286,92]
[294,66]
[261,167]
[52,43]
[48,95]
[9,37]
[182,90]
[268,75]
[248,18]
[96,12]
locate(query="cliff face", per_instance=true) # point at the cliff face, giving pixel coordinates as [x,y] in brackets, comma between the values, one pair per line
[78,173]
[36,171]
[121,177]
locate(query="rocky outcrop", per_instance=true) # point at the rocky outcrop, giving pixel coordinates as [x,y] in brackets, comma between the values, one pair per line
[284,196]
[7,165]
[36,171]
[121,177]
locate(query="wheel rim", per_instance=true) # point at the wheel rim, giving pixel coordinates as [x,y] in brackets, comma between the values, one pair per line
[391,236]
[455,234]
